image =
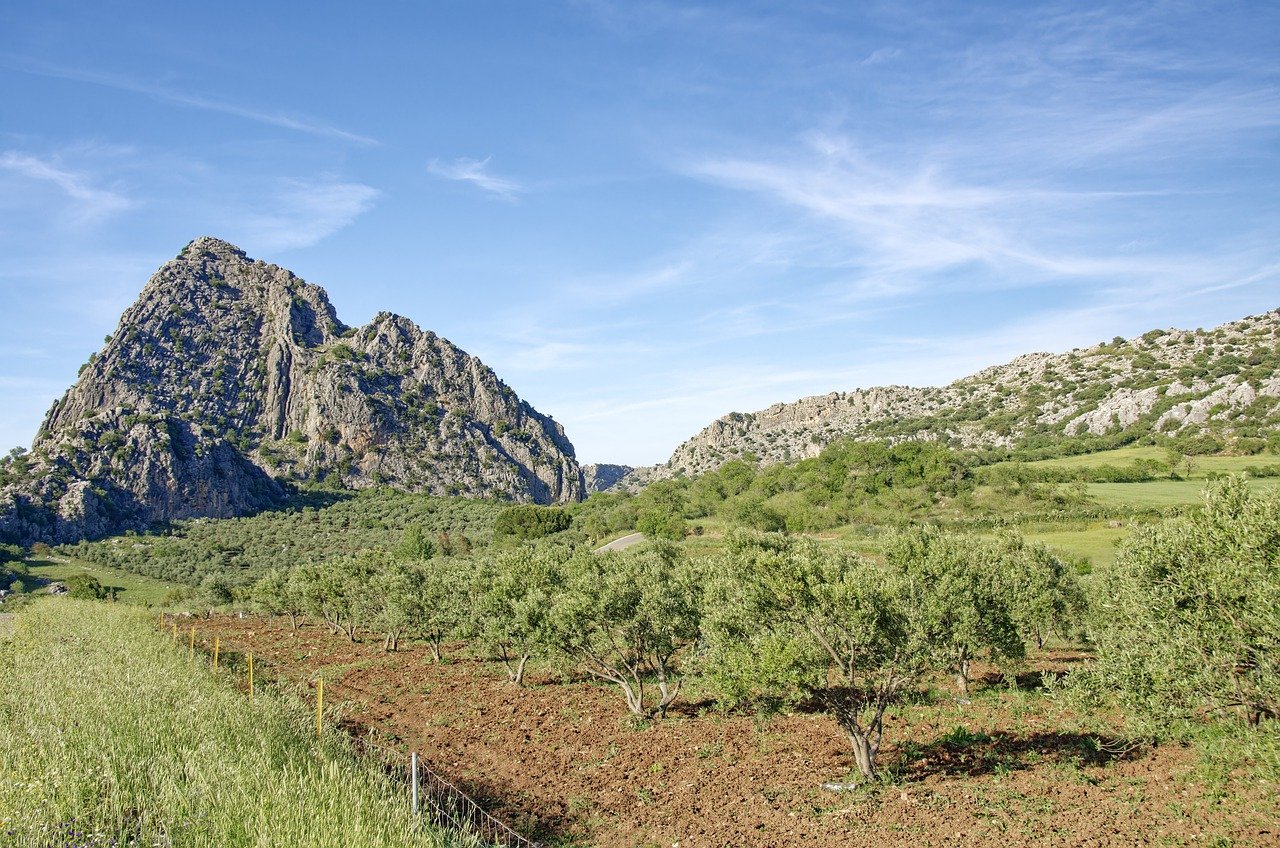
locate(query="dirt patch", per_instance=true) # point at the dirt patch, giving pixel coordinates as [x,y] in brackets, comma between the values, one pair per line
[561,762]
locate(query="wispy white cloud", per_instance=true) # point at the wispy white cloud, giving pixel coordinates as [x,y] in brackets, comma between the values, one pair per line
[91,202]
[284,120]
[899,223]
[476,172]
[882,54]
[303,212]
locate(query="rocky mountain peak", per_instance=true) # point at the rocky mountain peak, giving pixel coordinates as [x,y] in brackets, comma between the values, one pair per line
[229,376]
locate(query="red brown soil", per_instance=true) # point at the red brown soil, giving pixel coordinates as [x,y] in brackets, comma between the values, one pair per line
[562,762]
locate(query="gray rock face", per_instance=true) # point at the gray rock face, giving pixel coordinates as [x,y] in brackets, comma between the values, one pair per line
[602,476]
[1223,380]
[229,374]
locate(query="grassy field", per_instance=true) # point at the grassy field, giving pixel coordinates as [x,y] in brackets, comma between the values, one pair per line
[1201,466]
[112,737]
[1162,493]
[129,588]
[1096,543]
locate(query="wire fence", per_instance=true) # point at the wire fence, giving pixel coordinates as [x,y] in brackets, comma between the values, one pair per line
[448,805]
[431,796]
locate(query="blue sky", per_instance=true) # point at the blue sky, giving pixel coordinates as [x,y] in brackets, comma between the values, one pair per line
[644,215]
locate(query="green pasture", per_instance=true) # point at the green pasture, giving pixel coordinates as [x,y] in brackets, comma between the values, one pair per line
[1201,466]
[129,588]
[1162,493]
[1096,542]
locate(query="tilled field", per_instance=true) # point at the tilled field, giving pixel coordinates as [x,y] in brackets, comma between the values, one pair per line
[562,762]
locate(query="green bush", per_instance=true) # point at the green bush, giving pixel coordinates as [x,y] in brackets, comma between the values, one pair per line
[1186,622]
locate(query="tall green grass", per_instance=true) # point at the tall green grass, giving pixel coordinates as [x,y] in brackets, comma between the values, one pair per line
[110,736]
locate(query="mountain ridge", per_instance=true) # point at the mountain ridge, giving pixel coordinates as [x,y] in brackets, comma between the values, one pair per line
[1167,381]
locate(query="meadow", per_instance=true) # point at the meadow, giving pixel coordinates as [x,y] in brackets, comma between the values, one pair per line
[124,586]
[1162,493]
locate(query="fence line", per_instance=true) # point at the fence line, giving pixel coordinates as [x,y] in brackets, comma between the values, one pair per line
[429,792]
[450,806]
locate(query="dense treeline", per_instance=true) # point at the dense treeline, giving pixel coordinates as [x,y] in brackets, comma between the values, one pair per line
[866,482]
[848,482]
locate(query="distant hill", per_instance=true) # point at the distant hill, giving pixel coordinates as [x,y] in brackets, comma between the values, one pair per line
[1222,384]
[230,375]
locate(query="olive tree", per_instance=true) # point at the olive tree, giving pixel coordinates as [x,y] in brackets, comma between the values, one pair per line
[279,593]
[624,617]
[511,600]
[789,619]
[1186,622]
[1044,593]
[337,592]
[962,595]
[442,602]
[393,599]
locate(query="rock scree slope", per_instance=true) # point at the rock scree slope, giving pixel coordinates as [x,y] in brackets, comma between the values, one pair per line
[230,375]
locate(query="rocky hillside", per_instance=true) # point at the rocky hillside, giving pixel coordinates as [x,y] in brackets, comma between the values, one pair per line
[1223,382]
[230,374]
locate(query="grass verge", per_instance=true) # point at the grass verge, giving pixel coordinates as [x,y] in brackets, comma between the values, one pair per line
[114,738]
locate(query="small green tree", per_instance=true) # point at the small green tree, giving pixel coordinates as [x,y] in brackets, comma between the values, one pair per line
[394,600]
[525,522]
[961,593]
[1186,622]
[415,545]
[624,617]
[511,601]
[278,594]
[1044,593]
[338,592]
[85,587]
[785,620]
[442,605]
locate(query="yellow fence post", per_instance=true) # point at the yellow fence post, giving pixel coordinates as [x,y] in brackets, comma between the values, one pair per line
[175,633]
[191,642]
[216,645]
[250,678]
[319,705]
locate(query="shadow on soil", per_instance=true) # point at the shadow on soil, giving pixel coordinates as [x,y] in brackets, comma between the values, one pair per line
[535,820]
[965,753]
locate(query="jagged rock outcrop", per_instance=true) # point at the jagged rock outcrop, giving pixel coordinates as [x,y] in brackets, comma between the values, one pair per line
[229,375]
[1225,382]
[601,476]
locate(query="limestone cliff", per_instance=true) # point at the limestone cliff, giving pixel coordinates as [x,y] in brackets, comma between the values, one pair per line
[229,375]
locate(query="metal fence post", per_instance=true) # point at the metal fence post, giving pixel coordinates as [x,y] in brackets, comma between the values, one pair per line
[413,780]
